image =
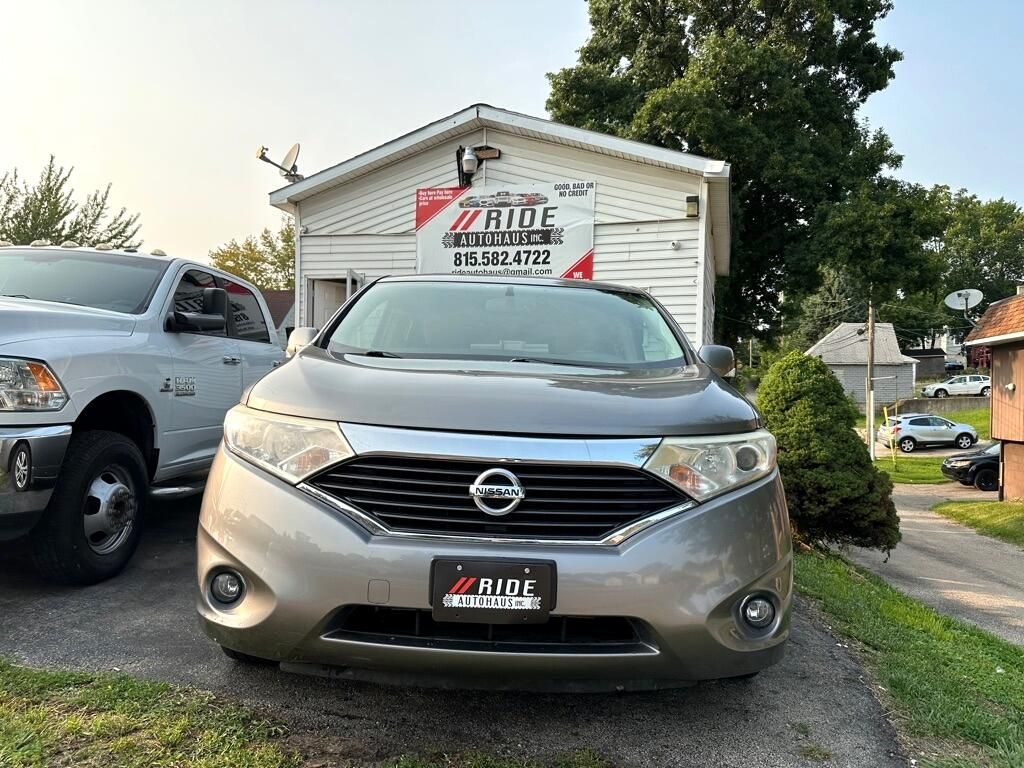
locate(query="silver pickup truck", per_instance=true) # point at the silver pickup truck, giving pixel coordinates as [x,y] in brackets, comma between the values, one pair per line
[116,370]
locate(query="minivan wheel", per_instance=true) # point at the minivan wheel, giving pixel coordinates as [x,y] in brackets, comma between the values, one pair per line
[986,391]
[908,444]
[941,393]
[986,480]
[92,524]
[964,441]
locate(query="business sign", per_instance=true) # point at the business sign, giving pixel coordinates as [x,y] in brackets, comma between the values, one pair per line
[531,230]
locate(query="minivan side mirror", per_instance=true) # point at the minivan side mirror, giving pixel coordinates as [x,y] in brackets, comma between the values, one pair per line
[212,319]
[719,359]
[299,338]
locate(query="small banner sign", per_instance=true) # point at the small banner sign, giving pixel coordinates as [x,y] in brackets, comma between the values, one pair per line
[530,230]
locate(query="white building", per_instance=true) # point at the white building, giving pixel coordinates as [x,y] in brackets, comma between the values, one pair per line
[660,218]
[845,351]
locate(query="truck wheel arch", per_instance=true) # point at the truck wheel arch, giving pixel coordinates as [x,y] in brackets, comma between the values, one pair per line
[126,413]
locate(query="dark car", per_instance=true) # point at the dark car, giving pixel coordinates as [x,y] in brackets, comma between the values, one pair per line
[954,366]
[980,468]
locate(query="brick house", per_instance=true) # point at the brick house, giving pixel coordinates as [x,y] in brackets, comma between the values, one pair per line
[1001,329]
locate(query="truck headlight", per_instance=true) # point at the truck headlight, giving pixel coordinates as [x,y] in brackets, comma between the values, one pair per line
[707,466]
[26,385]
[287,446]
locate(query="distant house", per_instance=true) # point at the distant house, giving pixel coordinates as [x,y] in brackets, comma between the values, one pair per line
[931,363]
[282,309]
[845,351]
[1001,331]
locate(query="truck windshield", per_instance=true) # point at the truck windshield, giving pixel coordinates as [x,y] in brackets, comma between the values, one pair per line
[497,321]
[104,281]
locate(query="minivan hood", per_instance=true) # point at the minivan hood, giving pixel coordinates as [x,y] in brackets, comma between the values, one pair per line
[26,319]
[503,398]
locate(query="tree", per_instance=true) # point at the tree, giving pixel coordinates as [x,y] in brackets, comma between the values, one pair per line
[772,87]
[47,210]
[834,492]
[836,301]
[884,236]
[267,260]
[983,246]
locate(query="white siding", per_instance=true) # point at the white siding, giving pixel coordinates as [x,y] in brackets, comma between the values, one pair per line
[368,224]
[641,255]
[887,391]
[383,202]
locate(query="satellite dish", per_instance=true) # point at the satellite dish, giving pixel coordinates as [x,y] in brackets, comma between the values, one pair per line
[288,164]
[964,299]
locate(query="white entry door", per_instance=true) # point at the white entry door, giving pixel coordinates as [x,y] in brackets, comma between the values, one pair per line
[327,295]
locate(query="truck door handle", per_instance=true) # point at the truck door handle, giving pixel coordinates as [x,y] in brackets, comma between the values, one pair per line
[231,360]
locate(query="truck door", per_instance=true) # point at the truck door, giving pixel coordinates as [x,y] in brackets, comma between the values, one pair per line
[207,381]
[247,324]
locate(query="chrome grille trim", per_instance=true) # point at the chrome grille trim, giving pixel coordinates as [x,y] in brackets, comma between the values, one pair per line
[613,539]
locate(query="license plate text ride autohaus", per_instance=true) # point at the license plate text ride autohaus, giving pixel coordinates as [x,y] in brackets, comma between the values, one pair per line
[492,592]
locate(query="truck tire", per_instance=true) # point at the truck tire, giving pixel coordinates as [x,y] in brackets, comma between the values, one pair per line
[92,524]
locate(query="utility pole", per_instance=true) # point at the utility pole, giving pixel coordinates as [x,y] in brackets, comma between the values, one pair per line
[870,383]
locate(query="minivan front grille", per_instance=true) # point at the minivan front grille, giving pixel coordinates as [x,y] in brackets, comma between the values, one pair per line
[431,496]
[559,634]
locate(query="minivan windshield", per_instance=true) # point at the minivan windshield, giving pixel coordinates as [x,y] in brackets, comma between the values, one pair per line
[514,322]
[103,281]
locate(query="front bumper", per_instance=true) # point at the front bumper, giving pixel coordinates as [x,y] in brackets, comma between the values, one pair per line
[681,579]
[21,507]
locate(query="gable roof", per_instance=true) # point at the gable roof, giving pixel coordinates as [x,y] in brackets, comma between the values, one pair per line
[847,344]
[716,172]
[1003,322]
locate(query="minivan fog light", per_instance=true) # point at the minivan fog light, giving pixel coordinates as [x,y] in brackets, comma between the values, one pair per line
[227,587]
[758,612]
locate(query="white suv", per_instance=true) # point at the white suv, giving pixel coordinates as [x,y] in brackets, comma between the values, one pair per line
[960,385]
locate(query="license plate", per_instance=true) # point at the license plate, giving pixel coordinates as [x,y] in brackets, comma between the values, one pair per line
[492,591]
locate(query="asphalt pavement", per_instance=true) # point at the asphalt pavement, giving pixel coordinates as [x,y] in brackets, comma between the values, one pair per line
[143,623]
[950,567]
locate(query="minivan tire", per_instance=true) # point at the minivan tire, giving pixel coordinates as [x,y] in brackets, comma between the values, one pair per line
[103,474]
[985,391]
[907,444]
[941,393]
[964,441]
[986,480]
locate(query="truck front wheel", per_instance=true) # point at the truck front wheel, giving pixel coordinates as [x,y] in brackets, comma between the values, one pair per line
[92,524]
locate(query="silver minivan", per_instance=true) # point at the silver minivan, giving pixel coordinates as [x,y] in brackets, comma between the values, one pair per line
[498,482]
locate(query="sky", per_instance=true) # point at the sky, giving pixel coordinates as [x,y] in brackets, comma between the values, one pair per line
[170,101]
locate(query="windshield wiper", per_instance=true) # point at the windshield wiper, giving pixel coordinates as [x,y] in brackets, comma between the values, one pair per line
[377,353]
[15,296]
[542,361]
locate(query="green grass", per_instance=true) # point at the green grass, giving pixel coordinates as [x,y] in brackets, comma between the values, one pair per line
[101,721]
[999,519]
[956,691]
[914,470]
[78,720]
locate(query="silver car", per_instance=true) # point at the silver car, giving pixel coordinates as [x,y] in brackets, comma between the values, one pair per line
[497,482]
[911,431]
[959,385]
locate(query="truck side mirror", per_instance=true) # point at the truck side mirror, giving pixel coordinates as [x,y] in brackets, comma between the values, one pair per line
[719,359]
[299,338]
[212,319]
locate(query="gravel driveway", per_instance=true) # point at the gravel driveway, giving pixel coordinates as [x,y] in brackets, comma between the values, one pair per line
[142,623]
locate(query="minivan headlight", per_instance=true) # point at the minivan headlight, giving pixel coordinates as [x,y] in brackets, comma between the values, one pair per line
[26,385]
[290,447]
[707,466]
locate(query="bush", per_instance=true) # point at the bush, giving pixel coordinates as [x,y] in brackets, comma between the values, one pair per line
[834,492]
